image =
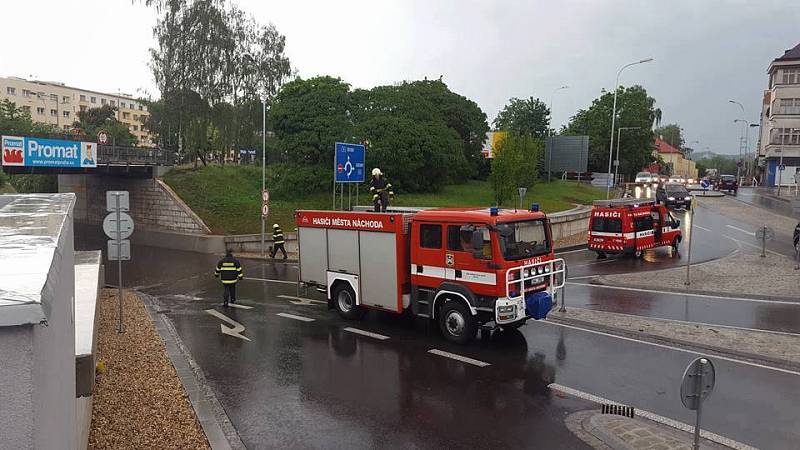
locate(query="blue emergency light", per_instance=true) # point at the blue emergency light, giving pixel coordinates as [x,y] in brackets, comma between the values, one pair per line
[494,210]
[534,207]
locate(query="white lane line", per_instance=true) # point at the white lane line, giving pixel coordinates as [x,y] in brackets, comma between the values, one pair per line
[236,305]
[687,294]
[704,228]
[654,417]
[593,263]
[751,233]
[572,251]
[583,277]
[270,280]
[302,300]
[669,347]
[367,333]
[463,359]
[292,316]
[752,245]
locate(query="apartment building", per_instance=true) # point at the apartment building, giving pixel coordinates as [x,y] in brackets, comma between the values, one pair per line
[779,143]
[58,104]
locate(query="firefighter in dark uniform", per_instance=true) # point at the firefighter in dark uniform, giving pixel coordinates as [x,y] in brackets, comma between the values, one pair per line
[381,190]
[277,241]
[229,271]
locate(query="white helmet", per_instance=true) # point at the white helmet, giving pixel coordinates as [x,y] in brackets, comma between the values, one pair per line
[376,172]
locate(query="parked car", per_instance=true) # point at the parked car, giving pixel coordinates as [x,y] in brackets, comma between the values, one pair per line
[727,183]
[674,195]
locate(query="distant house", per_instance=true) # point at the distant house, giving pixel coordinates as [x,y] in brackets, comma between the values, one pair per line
[674,159]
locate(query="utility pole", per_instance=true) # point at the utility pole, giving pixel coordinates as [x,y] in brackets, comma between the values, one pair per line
[550,149]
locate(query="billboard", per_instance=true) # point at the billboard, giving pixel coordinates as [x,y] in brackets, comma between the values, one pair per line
[566,154]
[37,152]
[493,139]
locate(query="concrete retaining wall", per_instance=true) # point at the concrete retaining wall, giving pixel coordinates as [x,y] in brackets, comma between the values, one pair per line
[154,206]
[251,243]
[568,223]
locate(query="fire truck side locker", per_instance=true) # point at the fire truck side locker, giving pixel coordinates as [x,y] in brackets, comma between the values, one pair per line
[368,251]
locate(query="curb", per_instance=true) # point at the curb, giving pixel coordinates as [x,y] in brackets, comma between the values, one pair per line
[777,298]
[689,345]
[213,419]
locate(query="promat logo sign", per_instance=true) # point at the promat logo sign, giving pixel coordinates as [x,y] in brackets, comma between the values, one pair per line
[13,151]
[36,152]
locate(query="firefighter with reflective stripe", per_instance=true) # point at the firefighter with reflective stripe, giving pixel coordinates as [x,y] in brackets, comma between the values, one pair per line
[229,271]
[381,190]
[277,241]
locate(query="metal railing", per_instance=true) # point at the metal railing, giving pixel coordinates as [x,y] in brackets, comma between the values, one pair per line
[524,278]
[139,156]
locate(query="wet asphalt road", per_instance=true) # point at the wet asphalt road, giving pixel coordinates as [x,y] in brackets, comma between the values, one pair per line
[314,384]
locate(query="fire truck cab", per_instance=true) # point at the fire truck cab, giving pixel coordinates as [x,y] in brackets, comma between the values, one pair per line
[630,226]
[462,268]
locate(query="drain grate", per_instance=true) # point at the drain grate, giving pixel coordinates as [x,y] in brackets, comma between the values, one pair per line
[619,410]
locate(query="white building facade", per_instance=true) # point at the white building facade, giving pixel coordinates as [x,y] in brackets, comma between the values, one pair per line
[779,143]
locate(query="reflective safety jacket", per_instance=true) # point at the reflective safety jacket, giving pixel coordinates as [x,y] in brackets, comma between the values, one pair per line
[229,270]
[379,185]
[277,236]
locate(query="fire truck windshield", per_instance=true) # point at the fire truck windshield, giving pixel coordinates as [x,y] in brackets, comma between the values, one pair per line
[520,240]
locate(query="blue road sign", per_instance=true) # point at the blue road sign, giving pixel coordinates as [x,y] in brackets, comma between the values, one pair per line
[704,184]
[349,166]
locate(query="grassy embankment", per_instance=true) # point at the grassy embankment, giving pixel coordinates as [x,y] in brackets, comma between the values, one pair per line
[228,200]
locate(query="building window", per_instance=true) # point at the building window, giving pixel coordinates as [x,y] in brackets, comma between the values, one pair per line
[27,109]
[83,108]
[83,98]
[135,128]
[11,91]
[126,115]
[122,105]
[54,98]
[789,106]
[53,113]
[141,108]
[39,110]
[67,127]
[136,117]
[26,93]
[65,113]
[791,76]
[65,99]
[112,103]
[430,236]
[103,101]
[93,99]
[785,136]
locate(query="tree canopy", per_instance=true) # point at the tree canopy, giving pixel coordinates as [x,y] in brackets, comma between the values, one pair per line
[91,121]
[530,117]
[672,134]
[515,164]
[635,108]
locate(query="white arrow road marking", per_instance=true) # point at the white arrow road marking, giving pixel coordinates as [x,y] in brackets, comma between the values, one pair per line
[236,305]
[237,329]
[463,359]
[302,301]
[367,333]
[292,316]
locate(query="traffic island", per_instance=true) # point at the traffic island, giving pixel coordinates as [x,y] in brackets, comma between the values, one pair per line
[775,349]
[139,401]
[609,431]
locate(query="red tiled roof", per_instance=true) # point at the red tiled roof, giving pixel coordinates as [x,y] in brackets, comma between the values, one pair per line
[663,147]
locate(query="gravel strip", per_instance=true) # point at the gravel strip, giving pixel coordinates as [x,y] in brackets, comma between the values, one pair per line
[138,399]
[755,345]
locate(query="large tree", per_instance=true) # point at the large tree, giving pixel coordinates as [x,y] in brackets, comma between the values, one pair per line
[530,117]
[673,134]
[91,121]
[635,108]
[515,164]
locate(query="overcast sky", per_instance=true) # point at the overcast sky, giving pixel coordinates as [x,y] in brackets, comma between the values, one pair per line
[706,52]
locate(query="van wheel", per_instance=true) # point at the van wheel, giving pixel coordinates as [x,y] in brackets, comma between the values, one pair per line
[457,323]
[601,255]
[345,300]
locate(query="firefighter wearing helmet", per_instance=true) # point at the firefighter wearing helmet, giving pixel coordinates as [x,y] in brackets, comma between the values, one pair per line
[381,190]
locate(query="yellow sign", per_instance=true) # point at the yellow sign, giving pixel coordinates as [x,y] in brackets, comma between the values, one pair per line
[490,145]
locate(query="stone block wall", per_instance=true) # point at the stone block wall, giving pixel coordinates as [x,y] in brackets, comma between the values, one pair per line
[154,206]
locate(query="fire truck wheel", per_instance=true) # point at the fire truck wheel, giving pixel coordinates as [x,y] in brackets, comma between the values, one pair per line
[457,323]
[345,300]
[675,243]
[638,254]
[601,255]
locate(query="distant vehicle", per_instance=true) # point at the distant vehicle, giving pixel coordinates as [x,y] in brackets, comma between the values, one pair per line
[629,226]
[674,195]
[645,178]
[727,183]
[676,179]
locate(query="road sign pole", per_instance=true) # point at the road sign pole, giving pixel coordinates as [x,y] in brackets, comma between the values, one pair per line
[698,390]
[689,245]
[121,328]
[764,242]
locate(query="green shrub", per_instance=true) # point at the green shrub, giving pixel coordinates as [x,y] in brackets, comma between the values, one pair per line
[29,184]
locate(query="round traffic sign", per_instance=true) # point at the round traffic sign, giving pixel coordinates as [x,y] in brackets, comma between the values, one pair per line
[102,137]
[125,225]
[765,233]
[704,184]
[264,210]
[697,383]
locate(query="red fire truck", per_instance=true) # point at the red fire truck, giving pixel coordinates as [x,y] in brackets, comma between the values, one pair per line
[630,226]
[464,268]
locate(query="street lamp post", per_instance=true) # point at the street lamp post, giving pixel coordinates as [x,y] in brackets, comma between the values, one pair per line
[263,160]
[741,135]
[613,120]
[550,150]
[616,160]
